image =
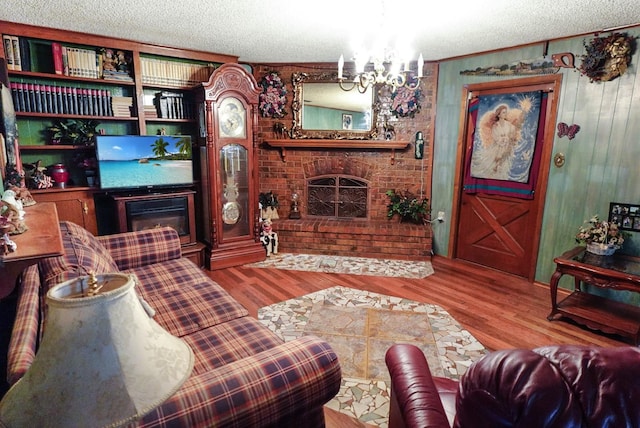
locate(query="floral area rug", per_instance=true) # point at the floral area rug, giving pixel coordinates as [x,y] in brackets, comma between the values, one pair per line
[361,326]
[349,265]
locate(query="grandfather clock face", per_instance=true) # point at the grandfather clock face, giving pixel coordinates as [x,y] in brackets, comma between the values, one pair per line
[232,117]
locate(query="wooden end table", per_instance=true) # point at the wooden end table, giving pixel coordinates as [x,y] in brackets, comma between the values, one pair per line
[42,240]
[616,272]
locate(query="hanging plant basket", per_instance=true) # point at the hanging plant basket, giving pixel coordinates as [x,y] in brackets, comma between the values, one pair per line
[607,57]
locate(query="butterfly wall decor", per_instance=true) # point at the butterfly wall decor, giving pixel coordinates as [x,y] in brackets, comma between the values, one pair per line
[565,130]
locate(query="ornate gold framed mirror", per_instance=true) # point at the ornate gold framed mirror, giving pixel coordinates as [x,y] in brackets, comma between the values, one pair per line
[322,110]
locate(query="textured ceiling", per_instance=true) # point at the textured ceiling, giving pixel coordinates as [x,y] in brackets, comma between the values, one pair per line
[274,31]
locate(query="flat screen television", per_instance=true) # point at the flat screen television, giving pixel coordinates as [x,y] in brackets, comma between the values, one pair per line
[144,161]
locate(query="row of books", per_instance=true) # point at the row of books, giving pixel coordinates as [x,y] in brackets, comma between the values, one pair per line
[16,52]
[24,54]
[76,62]
[35,98]
[170,105]
[171,73]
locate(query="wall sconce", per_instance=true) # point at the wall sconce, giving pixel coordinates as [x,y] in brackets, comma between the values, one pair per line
[419,145]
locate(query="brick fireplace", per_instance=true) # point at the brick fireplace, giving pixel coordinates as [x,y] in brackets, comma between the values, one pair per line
[368,233]
[326,227]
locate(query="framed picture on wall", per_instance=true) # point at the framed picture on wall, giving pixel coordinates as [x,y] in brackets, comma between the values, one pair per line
[626,216]
[347,121]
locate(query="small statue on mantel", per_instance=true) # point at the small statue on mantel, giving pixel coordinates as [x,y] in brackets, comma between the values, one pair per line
[269,238]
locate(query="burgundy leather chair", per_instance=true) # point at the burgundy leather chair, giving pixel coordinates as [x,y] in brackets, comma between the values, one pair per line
[553,386]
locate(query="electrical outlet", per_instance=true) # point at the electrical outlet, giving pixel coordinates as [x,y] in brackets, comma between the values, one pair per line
[440,216]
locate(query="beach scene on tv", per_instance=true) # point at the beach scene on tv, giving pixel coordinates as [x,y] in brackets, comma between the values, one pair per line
[127,161]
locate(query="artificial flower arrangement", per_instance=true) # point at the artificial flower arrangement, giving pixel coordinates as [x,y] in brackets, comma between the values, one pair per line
[601,236]
[273,98]
[405,102]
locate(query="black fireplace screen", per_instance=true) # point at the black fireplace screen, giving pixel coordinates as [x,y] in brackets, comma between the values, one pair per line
[337,196]
[150,214]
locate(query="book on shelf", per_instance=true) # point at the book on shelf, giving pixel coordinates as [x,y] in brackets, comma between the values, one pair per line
[17,56]
[25,53]
[56,52]
[8,51]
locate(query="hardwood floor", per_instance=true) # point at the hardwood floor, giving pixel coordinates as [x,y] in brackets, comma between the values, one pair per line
[502,311]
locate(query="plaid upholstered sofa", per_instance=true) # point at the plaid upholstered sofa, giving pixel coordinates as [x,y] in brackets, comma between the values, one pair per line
[244,375]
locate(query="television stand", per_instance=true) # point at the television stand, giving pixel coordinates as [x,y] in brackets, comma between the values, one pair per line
[152,210]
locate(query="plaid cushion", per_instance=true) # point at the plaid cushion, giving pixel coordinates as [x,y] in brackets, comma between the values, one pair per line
[82,254]
[144,247]
[228,342]
[291,380]
[184,298]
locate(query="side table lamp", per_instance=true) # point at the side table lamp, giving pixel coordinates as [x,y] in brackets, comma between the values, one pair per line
[103,360]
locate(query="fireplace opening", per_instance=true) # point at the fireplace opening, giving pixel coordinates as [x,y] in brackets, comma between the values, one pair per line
[337,196]
[149,214]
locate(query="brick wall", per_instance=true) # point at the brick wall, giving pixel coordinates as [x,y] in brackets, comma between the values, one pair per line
[356,238]
[407,173]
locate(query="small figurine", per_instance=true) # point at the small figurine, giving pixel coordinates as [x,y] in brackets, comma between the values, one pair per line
[10,198]
[9,216]
[7,245]
[269,238]
[23,195]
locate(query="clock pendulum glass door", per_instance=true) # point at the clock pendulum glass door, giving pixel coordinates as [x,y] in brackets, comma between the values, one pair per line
[233,161]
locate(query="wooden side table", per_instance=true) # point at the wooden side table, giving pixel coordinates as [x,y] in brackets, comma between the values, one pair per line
[617,272]
[42,240]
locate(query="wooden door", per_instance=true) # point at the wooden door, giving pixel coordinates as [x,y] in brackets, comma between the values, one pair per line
[501,229]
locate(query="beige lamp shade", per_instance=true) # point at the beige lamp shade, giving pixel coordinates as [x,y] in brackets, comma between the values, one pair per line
[103,360]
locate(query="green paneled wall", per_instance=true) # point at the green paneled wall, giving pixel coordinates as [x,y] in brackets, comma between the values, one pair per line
[602,161]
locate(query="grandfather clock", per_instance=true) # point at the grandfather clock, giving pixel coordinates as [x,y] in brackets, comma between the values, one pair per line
[229,117]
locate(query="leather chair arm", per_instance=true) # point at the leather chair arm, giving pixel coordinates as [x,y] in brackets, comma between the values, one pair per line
[415,401]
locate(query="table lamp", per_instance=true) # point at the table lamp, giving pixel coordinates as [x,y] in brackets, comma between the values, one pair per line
[103,360]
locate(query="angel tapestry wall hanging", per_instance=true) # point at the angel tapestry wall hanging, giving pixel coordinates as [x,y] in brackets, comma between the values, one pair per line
[505,136]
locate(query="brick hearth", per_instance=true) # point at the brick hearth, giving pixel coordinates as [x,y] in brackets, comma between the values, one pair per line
[386,239]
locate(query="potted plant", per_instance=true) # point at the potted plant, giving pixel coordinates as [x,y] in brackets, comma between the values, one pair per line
[407,206]
[600,236]
[74,132]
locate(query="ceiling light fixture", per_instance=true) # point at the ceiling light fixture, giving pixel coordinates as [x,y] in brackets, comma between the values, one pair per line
[386,71]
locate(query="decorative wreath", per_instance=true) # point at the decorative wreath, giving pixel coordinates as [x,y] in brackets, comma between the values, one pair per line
[607,57]
[273,98]
[405,102]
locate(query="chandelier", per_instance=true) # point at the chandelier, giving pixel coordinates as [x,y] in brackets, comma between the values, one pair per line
[386,71]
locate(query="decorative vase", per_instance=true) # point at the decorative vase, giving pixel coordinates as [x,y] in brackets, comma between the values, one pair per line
[601,249]
[60,175]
